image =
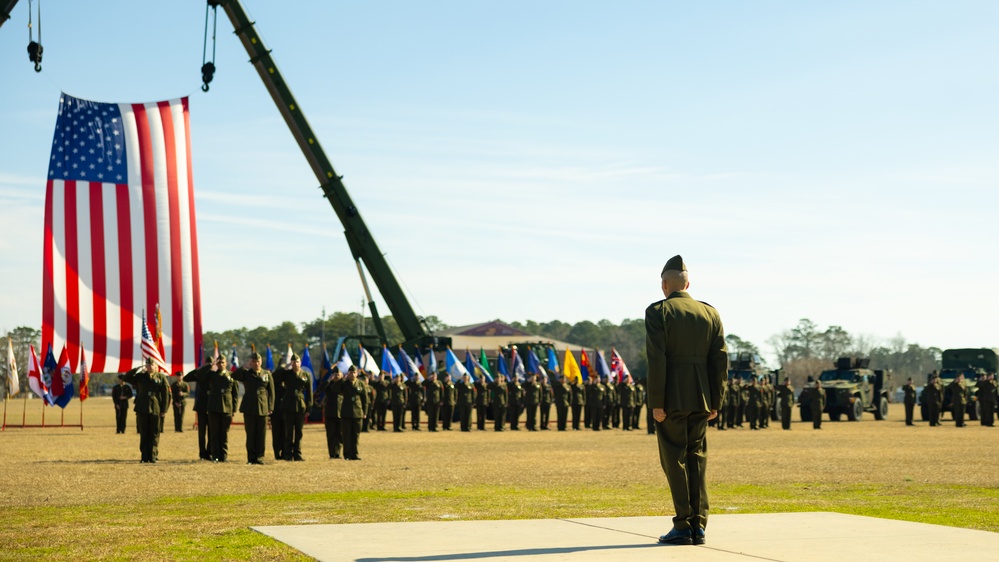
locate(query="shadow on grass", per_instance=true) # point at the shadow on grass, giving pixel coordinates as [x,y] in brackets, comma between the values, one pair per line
[116,461]
[508,553]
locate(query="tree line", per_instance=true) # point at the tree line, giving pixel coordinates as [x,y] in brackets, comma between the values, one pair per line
[801,351]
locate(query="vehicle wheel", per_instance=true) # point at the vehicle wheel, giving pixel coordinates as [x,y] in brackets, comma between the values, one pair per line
[806,413]
[856,410]
[881,412]
[975,411]
[776,415]
[834,416]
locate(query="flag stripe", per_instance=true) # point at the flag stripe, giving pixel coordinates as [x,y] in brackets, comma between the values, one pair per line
[98,246]
[148,197]
[176,330]
[127,302]
[48,291]
[112,281]
[195,282]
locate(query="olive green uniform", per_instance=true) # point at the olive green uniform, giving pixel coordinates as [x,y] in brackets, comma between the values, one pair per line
[295,404]
[986,394]
[958,402]
[626,397]
[910,402]
[754,405]
[449,399]
[354,397]
[399,395]
[223,394]
[785,397]
[578,402]
[933,399]
[383,400]
[331,417]
[179,391]
[258,403]
[415,403]
[152,394]
[481,403]
[199,377]
[545,406]
[687,362]
[563,399]
[465,401]
[532,398]
[497,400]
[514,403]
[432,393]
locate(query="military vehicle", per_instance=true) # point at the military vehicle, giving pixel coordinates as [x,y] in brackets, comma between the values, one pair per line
[852,389]
[744,366]
[966,362]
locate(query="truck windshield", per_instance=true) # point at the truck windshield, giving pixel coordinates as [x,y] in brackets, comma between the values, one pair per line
[837,376]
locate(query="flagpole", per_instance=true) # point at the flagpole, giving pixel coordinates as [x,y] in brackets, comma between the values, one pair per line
[43,412]
[62,418]
[81,415]
[5,411]
[24,411]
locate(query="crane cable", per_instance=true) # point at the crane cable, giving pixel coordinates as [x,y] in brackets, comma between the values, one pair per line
[35,48]
[208,66]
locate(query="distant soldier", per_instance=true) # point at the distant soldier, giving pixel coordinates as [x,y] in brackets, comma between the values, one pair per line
[636,412]
[754,404]
[465,401]
[958,399]
[740,414]
[986,394]
[277,420]
[498,398]
[563,397]
[610,403]
[152,394]
[399,395]
[331,412]
[449,400]
[767,402]
[532,397]
[223,395]
[626,399]
[415,404]
[199,376]
[179,391]
[354,397]
[933,399]
[120,395]
[258,403]
[578,401]
[481,403]
[909,400]
[432,396]
[817,401]
[595,402]
[514,402]
[547,397]
[369,408]
[383,399]
[295,405]
[785,397]
[733,396]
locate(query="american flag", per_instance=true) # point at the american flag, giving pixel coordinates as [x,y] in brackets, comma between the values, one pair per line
[149,348]
[120,232]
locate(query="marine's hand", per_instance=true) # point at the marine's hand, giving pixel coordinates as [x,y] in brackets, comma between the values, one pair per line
[658,414]
[713,415]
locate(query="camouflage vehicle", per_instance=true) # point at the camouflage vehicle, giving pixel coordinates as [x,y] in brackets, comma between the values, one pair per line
[852,389]
[744,366]
[966,362]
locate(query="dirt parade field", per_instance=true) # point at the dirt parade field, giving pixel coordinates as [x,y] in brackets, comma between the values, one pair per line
[72,494]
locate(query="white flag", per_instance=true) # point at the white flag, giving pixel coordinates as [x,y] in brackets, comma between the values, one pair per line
[13,384]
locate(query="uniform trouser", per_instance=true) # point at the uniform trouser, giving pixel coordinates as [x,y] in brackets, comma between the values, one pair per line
[277,434]
[752,414]
[740,414]
[499,417]
[988,414]
[350,432]
[595,415]
[626,417]
[587,416]
[178,417]
[162,420]
[447,414]
[293,424]
[532,416]
[909,408]
[465,416]
[368,420]
[785,417]
[615,416]
[957,410]
[561,416]
[544,414]
[635,415]
[933,413]
[256,436]
[610,412]
[120,416]
[513,413]
[481,415]
[683,456]
[149,435]
[218,434]
[204,448]
[730,415]
[433,412]
[763,416]
[381,412]
[576,410]
[333,436]
[398,417]
[816,416]
[414,417]
[650,422]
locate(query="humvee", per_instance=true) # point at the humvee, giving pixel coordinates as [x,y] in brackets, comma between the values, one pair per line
[852,389]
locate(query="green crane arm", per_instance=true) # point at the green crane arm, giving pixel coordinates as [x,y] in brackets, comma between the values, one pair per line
[359,238]
[7,8]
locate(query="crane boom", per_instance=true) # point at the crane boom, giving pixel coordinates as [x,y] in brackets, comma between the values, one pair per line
[8,7]
[359,238]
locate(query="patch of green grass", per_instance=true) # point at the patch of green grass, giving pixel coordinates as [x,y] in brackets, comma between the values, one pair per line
[215,528]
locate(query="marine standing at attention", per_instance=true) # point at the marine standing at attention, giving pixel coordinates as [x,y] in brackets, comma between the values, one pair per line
[258,403]
[909,400]
[295,405]
[688,363]
[179,391]
[785,394]
[199,376]
[152,394]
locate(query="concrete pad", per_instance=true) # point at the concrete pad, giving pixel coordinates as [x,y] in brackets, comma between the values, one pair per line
[778,536]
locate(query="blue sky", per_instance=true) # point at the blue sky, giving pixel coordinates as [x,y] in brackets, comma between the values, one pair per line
[541,160]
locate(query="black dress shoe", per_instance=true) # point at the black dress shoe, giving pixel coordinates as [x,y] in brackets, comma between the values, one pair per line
[698,536]
[677,537]
[299,459]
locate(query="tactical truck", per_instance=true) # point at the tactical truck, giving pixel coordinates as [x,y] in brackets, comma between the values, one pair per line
[965,362]
[852,389]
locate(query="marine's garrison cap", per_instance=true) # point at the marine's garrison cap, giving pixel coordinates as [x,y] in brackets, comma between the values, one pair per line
[675,263]
[295,357]
[255,356]
[352,368]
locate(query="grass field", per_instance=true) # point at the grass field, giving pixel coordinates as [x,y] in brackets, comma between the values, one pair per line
[82,495]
